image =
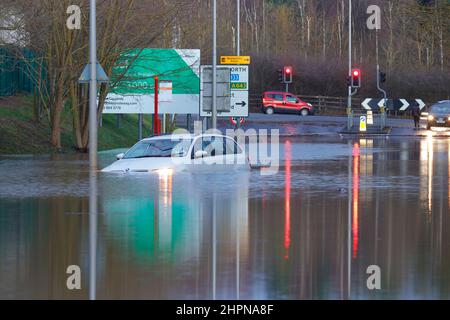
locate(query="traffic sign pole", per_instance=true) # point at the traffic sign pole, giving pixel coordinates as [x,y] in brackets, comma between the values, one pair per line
[140,118]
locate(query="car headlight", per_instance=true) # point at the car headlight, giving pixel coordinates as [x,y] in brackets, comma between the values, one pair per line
[309,104]
[430,117]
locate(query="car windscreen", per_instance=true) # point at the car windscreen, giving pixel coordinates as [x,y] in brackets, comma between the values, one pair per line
[163,148]
[443,108]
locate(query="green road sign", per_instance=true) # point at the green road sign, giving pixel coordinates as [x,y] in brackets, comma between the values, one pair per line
[132,81]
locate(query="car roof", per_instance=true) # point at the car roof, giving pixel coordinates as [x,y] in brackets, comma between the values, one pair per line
[277,92]
[186,136]
[170,137]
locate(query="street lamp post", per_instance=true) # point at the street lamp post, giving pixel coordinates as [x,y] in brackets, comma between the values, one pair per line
[92,150]
[350,124]
[93,88]
[214,71]
[238,27]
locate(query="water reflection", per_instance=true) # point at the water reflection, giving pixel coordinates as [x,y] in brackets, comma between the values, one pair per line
[287,199]
[355,213]
[93,227]
[234,235]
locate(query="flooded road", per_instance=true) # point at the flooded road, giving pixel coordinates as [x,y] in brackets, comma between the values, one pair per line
[235,235]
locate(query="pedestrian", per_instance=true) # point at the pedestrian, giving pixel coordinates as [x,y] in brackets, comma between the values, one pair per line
[416,115]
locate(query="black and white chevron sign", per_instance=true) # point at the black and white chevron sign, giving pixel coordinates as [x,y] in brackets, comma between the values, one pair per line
[392,104]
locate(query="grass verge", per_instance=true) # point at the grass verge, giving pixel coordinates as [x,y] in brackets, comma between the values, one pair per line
[21,134]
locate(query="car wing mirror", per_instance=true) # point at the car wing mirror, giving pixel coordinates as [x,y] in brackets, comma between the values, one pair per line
[120,156]
[200,154]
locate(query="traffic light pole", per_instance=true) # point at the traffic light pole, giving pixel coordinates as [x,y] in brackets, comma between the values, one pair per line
[383,109]
[350,93]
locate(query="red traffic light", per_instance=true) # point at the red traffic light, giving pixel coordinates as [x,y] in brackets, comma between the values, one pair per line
[356,78]
[288,69]
[287,75]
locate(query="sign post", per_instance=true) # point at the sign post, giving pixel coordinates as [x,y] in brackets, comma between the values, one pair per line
[156,117]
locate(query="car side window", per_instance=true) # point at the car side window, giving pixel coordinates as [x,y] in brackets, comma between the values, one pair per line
[213,146]
[232,147]
[270,96]
[291,99]
[279,97]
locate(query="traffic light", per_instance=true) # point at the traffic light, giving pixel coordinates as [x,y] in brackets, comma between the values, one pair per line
[382,77]
[356,78]
[287,74]
[280,75]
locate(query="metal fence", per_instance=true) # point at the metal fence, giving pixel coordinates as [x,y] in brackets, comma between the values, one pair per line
[330,105]
[323,105]
[20,71]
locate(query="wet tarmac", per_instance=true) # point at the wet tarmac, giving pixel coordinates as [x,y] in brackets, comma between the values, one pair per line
[235,235]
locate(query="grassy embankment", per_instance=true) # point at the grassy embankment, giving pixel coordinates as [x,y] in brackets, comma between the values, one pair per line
[20,134]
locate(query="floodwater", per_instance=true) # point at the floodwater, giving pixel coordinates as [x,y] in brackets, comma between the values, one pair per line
[311,231]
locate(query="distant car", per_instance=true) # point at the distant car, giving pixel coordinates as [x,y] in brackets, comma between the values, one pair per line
[439,115]
[283,102]
[173,153]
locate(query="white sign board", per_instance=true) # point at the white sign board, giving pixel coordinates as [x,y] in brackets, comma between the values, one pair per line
[239,91]
[239,83]
[165,91]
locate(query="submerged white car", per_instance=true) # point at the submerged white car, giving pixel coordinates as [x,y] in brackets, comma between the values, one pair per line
[174,153]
